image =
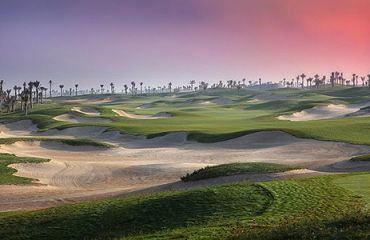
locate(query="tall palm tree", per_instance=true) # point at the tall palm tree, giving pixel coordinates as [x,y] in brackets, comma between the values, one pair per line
[133,87]
[76,88]
[260,82]
[36,84]
[15,91]
[303,77]
[126,88]
[19,90]
[353,79]
[101,88]
[111,88]
[50,82]
[192,82]
[170,86]
[141,88]
[1,85]
[41,94]
[368,84]
[317,80]
[243,81]
[61,89]
[30,87]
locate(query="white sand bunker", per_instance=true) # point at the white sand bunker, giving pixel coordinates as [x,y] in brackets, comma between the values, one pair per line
[86,110]
[145,106]
[217,101]
[122,113]
[323,112]
[74,119]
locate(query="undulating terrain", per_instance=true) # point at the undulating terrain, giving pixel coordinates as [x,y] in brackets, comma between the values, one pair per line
[216,164]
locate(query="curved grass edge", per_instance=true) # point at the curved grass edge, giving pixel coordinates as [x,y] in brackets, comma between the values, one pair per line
[230,169]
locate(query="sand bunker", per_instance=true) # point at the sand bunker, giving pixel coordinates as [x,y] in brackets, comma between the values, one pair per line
[122,113]
[80,173]
[86,110]
[323,112]
[217,101]
[145,106]
[75,119]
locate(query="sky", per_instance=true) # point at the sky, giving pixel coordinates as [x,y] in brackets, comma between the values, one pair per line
[93,42]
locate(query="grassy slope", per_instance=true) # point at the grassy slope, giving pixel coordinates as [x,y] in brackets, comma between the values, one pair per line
[208,213]
[6,173]
[233,169]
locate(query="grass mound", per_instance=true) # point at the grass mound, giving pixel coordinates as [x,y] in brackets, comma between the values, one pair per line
[314,208]
[138,215]
[234,169]
[6,173]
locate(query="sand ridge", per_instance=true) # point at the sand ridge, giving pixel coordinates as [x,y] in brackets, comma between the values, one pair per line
[324,112]
[122,113]
[86,110]
[76,119]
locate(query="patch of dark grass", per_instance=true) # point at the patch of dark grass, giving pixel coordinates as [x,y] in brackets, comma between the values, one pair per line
[6,173]
[234,169]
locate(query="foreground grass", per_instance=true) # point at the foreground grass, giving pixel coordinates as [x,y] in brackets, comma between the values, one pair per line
[221,212]
[6,173]
[358,183]
[234,169]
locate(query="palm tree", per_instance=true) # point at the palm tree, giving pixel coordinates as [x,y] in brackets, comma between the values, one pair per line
[61,90]
[30,87]
[41,94]
[37,86]
[50,82]
[368,80]
[126,88]
[317,80]
[15,91]
[101,88]
[111,88]
[363,81]
[19,90]
[133,87]
[303,77]
[243,81]
[260,82]
[170,86]
[141,88]
[353,79]
[192,82]
[76,89]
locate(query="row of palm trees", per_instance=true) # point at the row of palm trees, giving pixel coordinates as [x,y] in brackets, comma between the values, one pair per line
[335,79]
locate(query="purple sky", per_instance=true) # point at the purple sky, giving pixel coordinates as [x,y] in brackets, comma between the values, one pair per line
[157,41]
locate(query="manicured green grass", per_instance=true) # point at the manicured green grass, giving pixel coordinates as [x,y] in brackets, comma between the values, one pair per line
[221,212]
[358,183]
[71,142]
[6,173]
[233,169]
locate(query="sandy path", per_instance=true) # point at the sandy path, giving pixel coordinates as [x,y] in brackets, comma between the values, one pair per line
[79,173]
[122,113]
[86,110]
[324,112]
[75,119]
